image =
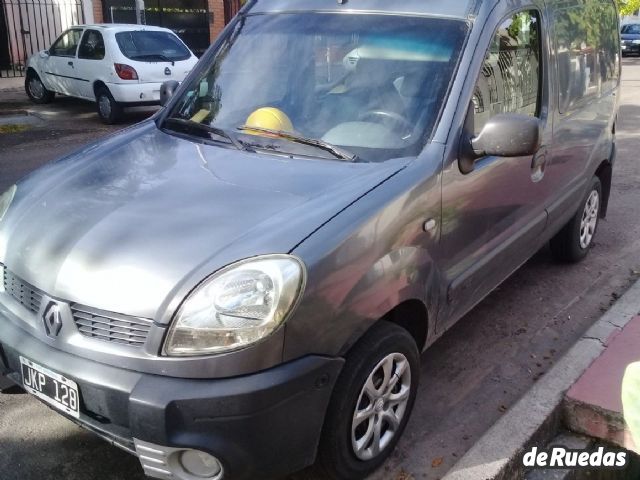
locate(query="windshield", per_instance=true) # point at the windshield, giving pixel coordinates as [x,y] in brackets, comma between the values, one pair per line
[370,84]
[150,46]
[631,29]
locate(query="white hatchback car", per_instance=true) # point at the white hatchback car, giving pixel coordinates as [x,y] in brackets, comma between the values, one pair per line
[114,65]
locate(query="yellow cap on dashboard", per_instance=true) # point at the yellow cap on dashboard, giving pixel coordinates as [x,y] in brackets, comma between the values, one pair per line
[270,118]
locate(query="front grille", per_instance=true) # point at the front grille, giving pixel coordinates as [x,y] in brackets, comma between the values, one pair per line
[111,327]
[27,295]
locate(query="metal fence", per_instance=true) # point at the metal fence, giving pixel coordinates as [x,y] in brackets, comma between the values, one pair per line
[28,26]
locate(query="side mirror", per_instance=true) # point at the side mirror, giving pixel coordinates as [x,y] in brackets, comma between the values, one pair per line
[508,135]
[504,135]
[44,53]
[167,89]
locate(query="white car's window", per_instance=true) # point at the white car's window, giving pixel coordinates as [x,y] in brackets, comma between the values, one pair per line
[150,46]
[67,44]
[92,46]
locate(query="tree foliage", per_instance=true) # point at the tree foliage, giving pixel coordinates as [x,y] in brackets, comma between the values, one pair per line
[628,7]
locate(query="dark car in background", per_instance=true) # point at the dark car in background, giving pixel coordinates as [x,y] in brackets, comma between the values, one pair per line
[241,286]
[630,36]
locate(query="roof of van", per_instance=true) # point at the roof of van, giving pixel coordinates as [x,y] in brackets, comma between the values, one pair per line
[444,8]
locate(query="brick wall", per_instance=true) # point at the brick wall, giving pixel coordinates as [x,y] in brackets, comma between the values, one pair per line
[216,8]
[97,11]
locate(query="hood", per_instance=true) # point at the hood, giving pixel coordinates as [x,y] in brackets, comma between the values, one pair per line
[122,224]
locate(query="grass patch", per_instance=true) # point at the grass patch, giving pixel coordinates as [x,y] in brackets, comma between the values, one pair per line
[13,128]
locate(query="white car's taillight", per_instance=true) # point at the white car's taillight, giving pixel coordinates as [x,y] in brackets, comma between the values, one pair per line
[126,72]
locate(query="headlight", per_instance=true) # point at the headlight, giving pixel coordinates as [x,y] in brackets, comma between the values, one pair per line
[636,42]
[237,306]
[5,200]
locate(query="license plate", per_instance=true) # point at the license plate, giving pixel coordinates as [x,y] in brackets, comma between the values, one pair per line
[51,387]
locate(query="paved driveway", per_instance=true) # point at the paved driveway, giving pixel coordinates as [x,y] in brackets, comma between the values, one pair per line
[470,376]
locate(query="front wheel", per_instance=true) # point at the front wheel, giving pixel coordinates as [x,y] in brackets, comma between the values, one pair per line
[572,243]
[109,110]
[35,89]
[371,403]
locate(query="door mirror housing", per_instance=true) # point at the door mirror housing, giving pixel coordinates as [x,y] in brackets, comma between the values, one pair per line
[44,53]
[167,89]
[508,135]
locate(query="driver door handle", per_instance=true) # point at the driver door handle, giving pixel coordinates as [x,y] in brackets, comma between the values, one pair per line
[70,63]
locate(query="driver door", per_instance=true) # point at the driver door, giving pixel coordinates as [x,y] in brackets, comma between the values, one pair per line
[493,216]
[59,69]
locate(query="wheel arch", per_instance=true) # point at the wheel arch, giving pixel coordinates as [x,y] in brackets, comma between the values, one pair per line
[410,314]
[604,173]
[97,85]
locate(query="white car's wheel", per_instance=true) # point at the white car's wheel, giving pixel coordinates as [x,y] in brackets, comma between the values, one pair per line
[109,110]
[36,90]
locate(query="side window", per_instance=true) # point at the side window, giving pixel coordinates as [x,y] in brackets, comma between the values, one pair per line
[510,78]
[92,46]
[67,44]
[587,45]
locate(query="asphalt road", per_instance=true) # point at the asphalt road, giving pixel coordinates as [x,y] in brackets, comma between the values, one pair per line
[470,377]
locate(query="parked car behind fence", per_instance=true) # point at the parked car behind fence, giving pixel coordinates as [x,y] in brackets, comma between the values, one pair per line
[114,65]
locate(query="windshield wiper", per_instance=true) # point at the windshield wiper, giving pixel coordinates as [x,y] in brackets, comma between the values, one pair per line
[314,142]
[189,126]
[152,55]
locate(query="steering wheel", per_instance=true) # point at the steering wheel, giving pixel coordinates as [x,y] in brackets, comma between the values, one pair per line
[398,122]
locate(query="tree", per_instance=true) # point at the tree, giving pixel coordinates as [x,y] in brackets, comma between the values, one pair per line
[628,7]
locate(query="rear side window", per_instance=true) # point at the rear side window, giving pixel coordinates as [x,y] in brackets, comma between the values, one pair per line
[510,77]
[587,51]
[150,46]
[91,46]
[67,44]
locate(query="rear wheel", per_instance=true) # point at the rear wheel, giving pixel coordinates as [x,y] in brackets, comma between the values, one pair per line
[572,243]
[109,110]
[36,90]
[371,404]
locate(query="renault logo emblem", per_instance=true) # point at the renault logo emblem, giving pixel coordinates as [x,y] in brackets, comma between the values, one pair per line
[167,71]
[52,319]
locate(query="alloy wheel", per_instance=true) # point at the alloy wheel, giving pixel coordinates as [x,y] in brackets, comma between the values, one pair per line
[589,219]
[381,405]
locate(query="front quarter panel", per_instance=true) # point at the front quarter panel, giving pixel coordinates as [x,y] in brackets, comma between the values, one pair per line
[369,259]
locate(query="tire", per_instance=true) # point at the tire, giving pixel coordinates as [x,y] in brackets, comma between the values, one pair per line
[35,89]
[386,344]
[573,242]
[109,110]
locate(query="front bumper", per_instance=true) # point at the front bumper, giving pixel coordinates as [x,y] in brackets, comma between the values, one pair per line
[259,426]
[630,48]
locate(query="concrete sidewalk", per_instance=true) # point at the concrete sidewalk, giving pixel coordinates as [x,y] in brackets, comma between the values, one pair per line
[11,83]
[538,416]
